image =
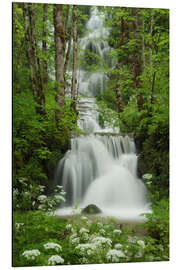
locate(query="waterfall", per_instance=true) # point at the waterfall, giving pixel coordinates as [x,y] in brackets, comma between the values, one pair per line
[93,82]
[101,166]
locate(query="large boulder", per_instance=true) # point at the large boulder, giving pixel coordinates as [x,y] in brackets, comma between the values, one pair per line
[91,209]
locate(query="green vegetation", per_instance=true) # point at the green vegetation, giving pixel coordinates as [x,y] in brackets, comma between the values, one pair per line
[136,99]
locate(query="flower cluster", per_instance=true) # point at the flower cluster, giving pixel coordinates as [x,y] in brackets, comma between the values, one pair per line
[31,254]
[147,176]
[86,249]
[51,245]
[117,231]
[29,196]
[101,242]
[55,259]
[114,255]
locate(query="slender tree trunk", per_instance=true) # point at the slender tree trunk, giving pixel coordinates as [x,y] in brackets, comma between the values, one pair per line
[59,54]
[143,47]
[150,52]
[118,90]
[74,73]
[34,63]
[137,65]
[68,50]
[44,46]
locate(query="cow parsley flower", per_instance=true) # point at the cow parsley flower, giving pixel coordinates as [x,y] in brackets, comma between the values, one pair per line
[31,254]
[75,241]
[141,243]
[19,226]
[84,260]
[52,245]
[42,198]
[114,255]
[55,259]
[102,231]
[101,242]
[59,198]
[83,230]
[147,176]
[69,227]
[117,231]
[118,246]
[86,249]
[85,236]
[132,240]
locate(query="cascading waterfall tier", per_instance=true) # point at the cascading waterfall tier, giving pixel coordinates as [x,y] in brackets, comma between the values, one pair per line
[94,43]
[101,170]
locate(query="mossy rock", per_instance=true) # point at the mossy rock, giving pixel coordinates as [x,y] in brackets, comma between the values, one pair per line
[91,209]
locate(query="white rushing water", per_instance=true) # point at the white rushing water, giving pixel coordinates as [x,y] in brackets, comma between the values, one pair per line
[101,167]
[91,83]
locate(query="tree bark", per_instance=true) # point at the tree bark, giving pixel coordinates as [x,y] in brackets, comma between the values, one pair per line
[151,33]
[74,73]
[44,47]
[143,47]
[59,36]
[34,63]
[137,65]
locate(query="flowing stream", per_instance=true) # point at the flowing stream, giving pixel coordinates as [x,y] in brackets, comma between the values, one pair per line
[101,167]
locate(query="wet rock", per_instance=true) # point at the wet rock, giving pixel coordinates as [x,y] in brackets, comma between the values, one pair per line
[91,209]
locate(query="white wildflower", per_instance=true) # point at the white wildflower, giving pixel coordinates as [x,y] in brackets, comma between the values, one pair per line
[141,243]
[75,241]
[15,192]
[74,235]
[84,218]
[86,249]
[117,231]
[99,224]
[84,260]
[147,176]
[83,230]
[52,245]
[41,207]
[101,242]
[149,182]
[33,203]
[132,240]
[89,222]
[118,246]
[42,198]
[41,188]
[59,187]
[69,227]
[85,236]
[31,254]
[55,259]
[114,255]
[19,226]
[139,254]
[59,198]
[102,231]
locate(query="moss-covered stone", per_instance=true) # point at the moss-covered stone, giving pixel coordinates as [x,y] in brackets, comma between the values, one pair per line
[91,209]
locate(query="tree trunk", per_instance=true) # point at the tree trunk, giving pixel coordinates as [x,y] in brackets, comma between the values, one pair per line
[137,65]
[34,63]
[74,73]
[143,47]
[59,36]
[150,52]
[44,47]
